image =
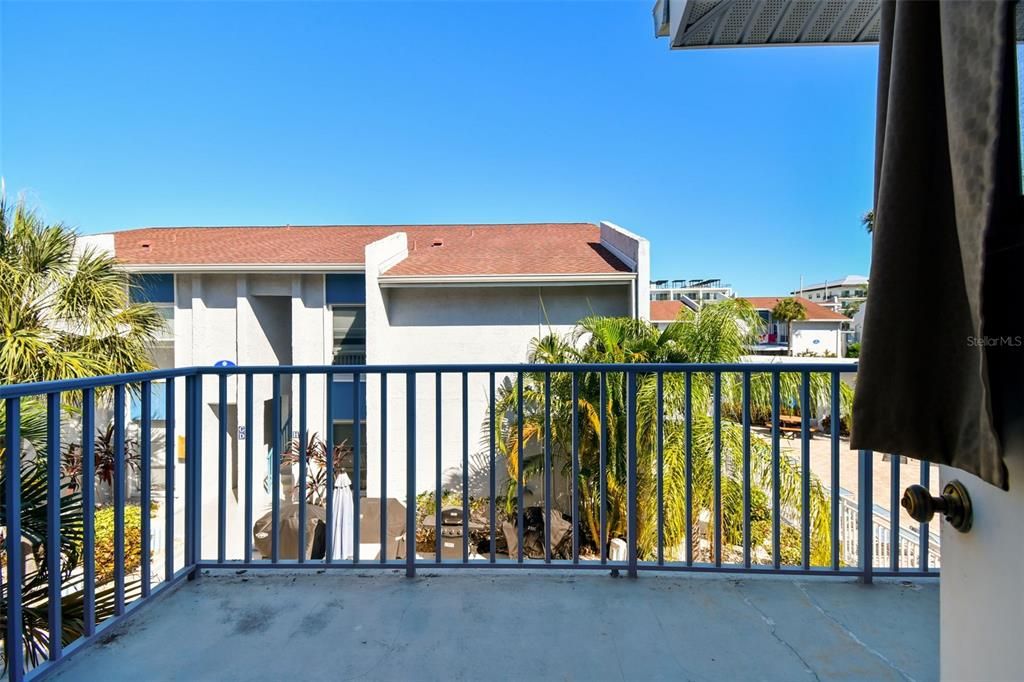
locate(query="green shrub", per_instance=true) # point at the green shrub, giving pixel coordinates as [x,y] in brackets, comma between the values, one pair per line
[105,542]
[853,350]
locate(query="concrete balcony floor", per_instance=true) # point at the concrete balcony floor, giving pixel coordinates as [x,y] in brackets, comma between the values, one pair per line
[503,624]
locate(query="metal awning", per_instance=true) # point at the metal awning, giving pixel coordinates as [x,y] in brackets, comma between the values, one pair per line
[690,24]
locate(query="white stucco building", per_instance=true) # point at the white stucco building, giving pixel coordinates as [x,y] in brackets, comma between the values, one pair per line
[823,333]
[691,292]
[839,295]
[349,295]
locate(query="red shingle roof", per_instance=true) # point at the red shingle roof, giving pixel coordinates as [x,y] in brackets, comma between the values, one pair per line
[814,311]
[434,250]
[665,311]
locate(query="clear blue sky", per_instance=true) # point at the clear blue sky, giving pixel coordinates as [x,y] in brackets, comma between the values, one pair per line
[751,165]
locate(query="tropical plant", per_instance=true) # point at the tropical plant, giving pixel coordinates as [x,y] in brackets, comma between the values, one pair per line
[104,459]
[853,350]
[789,310]
[720,332]
[316,460]
[65,313]
[868,221]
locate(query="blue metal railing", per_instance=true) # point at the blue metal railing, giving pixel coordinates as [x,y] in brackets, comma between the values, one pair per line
[626,451]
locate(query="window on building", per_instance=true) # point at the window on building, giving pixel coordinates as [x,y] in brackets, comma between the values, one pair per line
[344,435]
[349,335]
[166,333]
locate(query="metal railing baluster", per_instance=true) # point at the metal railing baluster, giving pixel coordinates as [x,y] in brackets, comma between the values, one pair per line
[170,455]
[746,469]
[384,539]
[575,469]
[865,507]
[632,510]
[521,460]
[465,467]
[894,512]
[805,470]
[492,473]
[603,466]
[222,467]
[53,572]
[119,499]
[716,409]
[197,515]
[357,464]
[329,466]
[15,657]
[547,468]
[688,462]
[302,495]
[660,389]
[924,537]
[776,482]
[275,469]
[89,511]
[836,423]
[249,438]
[438,466]
[146,453]
[410,475]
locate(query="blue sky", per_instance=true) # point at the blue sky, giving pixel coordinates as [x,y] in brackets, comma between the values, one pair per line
[751,165]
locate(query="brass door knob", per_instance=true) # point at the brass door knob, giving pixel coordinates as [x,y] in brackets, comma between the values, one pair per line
[954,504]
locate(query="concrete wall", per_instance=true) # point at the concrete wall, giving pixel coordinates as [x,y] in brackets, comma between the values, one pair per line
[248,319]
[817,337]
[981,600]
[456,325]
[635,251]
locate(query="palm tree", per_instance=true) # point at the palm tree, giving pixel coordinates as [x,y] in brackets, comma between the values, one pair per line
[64,314]
[719,332]
[788,310]
[868,221]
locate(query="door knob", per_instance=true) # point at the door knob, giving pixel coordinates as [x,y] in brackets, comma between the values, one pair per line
[954,504]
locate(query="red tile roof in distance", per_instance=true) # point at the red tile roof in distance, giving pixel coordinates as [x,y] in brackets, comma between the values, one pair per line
[814,311]
[434,250]
[665,311]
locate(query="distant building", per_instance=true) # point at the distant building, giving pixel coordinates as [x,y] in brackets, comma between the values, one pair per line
[664,313]
[352,295]
[841,295]
[692,292]
[823,333]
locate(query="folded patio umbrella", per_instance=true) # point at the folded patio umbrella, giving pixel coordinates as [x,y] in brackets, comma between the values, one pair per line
[341,525]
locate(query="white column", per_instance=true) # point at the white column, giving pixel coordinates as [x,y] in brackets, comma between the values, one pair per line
[981,598]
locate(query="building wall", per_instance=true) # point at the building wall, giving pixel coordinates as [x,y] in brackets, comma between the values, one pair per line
[635,251]
[981,602]
[456,325]
[248,319]
[817,337]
